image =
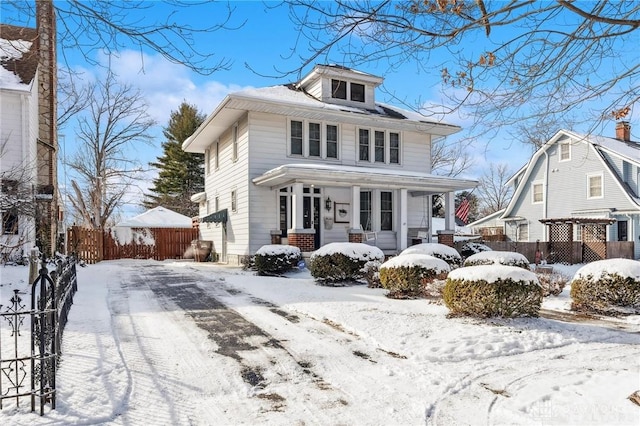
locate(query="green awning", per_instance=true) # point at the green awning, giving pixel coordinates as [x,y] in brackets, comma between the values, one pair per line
[218,217]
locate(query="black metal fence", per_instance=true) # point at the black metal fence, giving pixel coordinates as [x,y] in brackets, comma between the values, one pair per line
[28,367]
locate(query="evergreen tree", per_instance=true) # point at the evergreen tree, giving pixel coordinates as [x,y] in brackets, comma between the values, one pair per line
[181,174]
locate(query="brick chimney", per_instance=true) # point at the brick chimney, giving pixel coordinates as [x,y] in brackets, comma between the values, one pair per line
[623,131]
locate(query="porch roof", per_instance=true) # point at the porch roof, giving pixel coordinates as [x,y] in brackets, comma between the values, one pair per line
[366,177]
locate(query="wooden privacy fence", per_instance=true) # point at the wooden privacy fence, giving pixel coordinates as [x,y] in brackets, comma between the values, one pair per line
[94,245]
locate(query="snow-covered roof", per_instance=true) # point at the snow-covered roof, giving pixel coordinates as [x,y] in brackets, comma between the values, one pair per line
[158,217]
[18,57]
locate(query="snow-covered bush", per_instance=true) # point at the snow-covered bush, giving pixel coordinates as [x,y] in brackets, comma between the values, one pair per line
[371,273]
[472,248]
[441,251]
[407,275]
[607,286]
[276,258]
[506,258]
[335,262]
[492,291]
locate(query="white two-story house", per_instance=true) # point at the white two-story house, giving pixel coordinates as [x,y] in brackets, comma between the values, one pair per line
[315,162]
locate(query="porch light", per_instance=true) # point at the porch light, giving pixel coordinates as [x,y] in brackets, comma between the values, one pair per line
[327,204]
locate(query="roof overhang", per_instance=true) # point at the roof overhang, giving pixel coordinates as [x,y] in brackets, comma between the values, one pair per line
[346,176]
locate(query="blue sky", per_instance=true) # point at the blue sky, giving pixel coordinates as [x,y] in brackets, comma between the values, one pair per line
[263,41]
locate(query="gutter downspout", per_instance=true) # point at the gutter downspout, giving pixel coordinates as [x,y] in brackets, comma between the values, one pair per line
[546,194]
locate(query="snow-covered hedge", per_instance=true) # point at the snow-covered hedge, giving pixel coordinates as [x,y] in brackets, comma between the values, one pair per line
[407,275]
[472,248]
[506,258]
[441,251]
[371,273]
[607,286]
[552,284]
[335,262]
[492,291]
[276,259]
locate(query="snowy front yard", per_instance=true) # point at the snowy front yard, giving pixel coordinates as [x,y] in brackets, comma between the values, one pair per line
[193,343]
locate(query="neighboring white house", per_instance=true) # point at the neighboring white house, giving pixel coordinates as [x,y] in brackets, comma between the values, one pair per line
[18,137]
[315,162]
[577,179]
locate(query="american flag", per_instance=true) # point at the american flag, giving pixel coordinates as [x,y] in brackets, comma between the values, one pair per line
[462,212]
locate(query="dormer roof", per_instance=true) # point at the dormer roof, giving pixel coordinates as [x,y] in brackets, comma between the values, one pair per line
[339,72]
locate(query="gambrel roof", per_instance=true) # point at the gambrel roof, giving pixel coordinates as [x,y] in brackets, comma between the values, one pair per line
[628,151]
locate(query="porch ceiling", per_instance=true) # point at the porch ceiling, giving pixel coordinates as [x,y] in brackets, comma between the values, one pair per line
[366,177]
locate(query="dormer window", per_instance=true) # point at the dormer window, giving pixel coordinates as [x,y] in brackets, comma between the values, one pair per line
[338,89]
[352,91]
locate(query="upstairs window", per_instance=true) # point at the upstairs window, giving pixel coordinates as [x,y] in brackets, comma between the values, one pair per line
[357,92]
[235,143]
[394,148]
[594,186]
[207,161]
[565,151]
[234,200]
[379,147]
[217,158]
[296,137]
[339,89]
[314,139]
[363,143]
[537,194]
[332,141]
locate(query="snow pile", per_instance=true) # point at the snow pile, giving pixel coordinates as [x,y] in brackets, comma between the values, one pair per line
[625,268]
[125,235]
[494,273]
[357,251]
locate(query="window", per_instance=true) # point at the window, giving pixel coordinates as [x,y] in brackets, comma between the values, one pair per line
[379,146]
[565,151]
[523,232]
[235,143]
[207,161]
[537,194]
[234,200]
[357,92]
[9,223]
[283,211]
[594,186]
[623,233]
[365,210]
[296,137]
[332,141]
[386,211]
[314,139]
[216,161]
[363,141]
[216,204]
[338,89]
[394,148]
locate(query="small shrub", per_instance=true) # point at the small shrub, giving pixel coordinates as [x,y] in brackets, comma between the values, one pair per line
[441,251]
[336,262]
[472,248]
[408,275]
[609,286]
[506,258]
[492,291]
[371,271]
[552,284]
[276,259]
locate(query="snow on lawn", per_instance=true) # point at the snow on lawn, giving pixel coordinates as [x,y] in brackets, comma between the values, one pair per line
[130,358]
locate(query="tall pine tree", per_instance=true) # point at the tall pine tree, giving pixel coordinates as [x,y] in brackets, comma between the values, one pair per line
[180,173]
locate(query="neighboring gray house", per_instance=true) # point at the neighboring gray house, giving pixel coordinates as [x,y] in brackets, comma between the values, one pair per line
[580,178]
[315,162]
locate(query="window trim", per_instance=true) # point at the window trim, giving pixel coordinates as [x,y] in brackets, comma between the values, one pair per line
[589,177]
[234,200]
[533,192]
[560,146]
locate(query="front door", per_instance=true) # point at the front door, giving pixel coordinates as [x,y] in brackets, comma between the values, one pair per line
[311,216]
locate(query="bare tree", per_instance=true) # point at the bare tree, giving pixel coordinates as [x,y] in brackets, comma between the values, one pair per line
[493,192]
[450,158]
[165,27]
[500,57]
[115,119]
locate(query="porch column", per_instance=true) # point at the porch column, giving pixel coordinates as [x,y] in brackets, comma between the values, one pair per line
[449,211]
[296,207]
[404,229]
[355,232]
[429,218]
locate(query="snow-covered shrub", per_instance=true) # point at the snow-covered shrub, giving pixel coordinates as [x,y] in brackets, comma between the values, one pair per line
[407,275]
[335,262]
[441,251]
[607,286]
[492,291]
[506,258]
[552,284]
[371,271]
[276,258]
[472,248]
